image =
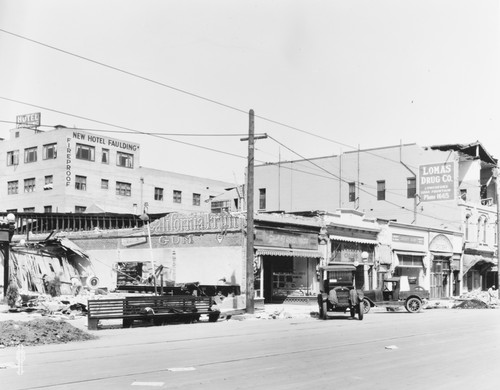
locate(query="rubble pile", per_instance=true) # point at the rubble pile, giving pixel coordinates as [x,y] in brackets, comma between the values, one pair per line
[476,299]
[39,331]
[63,307]
[471,304]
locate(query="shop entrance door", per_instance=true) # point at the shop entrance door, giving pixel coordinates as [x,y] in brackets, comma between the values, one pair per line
[440,273]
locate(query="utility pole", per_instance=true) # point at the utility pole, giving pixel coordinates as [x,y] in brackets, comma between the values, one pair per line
[250,307]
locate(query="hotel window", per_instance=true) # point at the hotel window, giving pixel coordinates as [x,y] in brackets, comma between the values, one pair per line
[177,196]
[105,156]
[47,209]
[104,184]
[125,160]
[81,183]
[49,151]
[12,187]
[411,187]
[381,190]
[13,157]
[80,209]
[196,199]
[352,192]
[48,182]
[85,152]
[124,189]
[158,193]
[30,155]
[262,198]
[29,185]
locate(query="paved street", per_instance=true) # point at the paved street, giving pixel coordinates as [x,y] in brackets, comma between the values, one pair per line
[435,349]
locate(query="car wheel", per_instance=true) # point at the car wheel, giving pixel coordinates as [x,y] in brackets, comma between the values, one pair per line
[366,306]
[413,305]
[361,310]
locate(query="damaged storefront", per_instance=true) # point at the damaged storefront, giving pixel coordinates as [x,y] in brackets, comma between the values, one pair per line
[180,248]
[287,258]
[479,267]
[52,266]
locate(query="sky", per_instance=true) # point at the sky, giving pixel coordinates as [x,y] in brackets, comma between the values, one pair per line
[323,77]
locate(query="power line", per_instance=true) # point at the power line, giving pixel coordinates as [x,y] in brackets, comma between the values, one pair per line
[361,189]
[124,128]
[147,133]
[183,91]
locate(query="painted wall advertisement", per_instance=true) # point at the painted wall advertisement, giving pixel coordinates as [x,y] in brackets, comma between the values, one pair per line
[437,182]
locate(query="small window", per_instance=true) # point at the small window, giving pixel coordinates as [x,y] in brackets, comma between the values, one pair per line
[13,157]
[381,190]
[30,155]
[177,196]
[411,187]
[105,156]
[49,151]
[220,206]
[80,209]
[12,187]
[463,194]
[262,198]
[29,210]
[85,152]
[104,184]
[125,160]
[48,183]
[47,209]
[352,192]
[81,183]
[29,185]
[124,189]
[158,193]
[196,199]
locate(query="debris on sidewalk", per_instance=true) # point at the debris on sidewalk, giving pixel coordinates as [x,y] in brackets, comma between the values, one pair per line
[39,331]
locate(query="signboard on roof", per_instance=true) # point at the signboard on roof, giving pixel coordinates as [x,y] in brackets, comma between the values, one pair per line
[28,121]
[437,182]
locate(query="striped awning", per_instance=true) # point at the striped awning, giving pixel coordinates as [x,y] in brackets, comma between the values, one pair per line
[267,251]
[353,239]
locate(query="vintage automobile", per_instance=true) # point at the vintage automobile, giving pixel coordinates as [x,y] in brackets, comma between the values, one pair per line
[339,294]
[396,292]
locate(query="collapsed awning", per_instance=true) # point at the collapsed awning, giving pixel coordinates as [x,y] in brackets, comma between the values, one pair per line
[353,239]
[470,261]
[266,251]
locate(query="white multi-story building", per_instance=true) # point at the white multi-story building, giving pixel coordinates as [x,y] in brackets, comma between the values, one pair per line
[69,170]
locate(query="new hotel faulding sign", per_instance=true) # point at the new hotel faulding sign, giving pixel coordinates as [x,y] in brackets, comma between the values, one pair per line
[437,182]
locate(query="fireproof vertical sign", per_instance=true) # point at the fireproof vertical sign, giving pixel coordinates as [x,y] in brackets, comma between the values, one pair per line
[437,182]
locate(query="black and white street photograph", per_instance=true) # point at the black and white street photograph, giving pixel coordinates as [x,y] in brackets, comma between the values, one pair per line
[249,194]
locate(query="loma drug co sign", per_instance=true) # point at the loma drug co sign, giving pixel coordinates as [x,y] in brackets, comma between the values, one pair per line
[437,182]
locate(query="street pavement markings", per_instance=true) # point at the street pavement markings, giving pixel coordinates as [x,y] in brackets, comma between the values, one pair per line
[153,384]
[160,384]
[181,369]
